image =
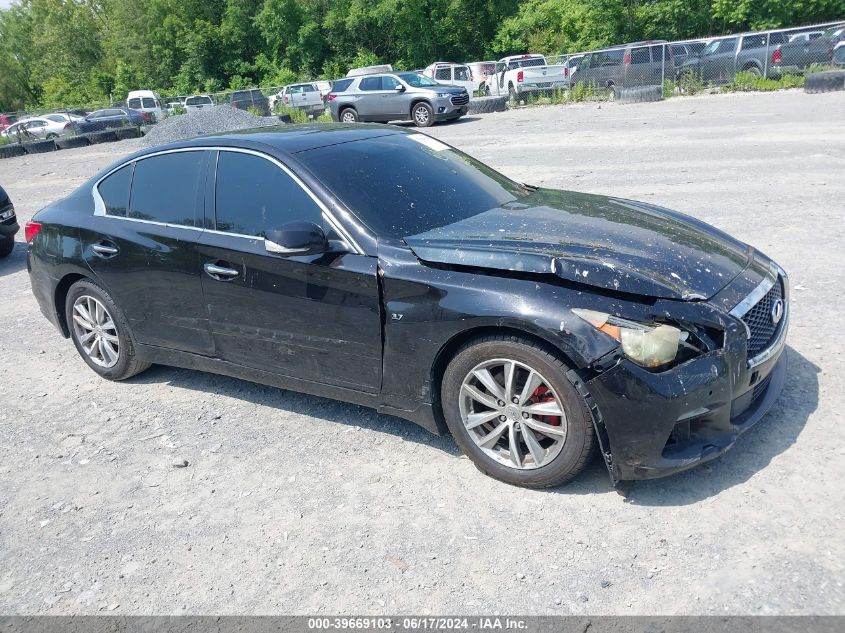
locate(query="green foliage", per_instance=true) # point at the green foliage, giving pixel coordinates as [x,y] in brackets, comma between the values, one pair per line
[747,82]
[92,52]
[297,115]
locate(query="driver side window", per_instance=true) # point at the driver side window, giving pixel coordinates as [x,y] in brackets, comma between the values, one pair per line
[253,195]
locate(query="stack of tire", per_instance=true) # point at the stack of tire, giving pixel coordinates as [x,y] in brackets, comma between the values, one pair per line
[638,94]
[484,105]
[827,81]
[68,142]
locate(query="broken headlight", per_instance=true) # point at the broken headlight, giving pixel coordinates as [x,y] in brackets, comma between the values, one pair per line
[647,344]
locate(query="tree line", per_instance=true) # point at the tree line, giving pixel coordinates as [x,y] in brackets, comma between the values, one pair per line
[76,52]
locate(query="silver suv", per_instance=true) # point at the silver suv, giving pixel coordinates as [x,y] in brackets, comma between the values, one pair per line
[399,96]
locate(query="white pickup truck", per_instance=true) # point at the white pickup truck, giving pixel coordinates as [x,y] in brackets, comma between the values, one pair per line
[303,96]
[518,75]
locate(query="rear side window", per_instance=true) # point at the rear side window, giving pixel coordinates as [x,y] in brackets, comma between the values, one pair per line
[341,85]
[443,73]
[253,195]
[134,103]
[462,73]
[753,41]
[370,83]
[114,190]
[168,188]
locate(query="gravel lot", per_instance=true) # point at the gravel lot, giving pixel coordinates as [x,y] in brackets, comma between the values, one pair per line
[296,504]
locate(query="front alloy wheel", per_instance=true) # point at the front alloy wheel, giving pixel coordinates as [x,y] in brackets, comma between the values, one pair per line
[511,406]
[423,115]
[513,414]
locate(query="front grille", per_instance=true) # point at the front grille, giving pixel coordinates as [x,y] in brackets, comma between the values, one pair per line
[460,100]
[759,320]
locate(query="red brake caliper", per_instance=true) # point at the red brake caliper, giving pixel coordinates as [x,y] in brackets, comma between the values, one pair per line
[542,394]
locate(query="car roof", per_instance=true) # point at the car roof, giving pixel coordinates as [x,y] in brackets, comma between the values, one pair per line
[288,139]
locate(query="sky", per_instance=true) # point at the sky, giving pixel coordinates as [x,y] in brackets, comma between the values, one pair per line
[4,4]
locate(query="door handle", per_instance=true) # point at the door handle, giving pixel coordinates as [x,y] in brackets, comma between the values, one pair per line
[103,249]
[221,273]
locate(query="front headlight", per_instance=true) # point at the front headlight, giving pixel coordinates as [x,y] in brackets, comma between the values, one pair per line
[443,94]
[650,345]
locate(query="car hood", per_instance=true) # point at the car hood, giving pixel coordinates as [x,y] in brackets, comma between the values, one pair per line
[446,88]
[609,243]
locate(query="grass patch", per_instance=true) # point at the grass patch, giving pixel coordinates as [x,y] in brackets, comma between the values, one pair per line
[579,93]
[296,115]
[4,140]
[750,82]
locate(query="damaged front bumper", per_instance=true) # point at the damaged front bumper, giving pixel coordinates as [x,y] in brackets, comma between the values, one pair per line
[656,424]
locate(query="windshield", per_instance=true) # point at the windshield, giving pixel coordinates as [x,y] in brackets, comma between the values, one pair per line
[198,101]
[406,184]
[416,80]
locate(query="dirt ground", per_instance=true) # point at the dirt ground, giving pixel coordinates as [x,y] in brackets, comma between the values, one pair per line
[296,504]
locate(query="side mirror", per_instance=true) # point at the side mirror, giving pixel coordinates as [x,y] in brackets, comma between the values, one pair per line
[400,88]
[296,238]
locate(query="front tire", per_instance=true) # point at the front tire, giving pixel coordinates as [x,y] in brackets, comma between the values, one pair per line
[512,410]
[101,332]
[422,115]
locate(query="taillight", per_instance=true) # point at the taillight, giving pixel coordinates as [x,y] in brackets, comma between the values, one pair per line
[566,71]
[31,230]
[286,98]
[627,59]
[67,126]
[776,56]
[519,76]
[332,96]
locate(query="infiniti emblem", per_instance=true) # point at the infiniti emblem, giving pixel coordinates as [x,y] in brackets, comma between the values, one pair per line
[777,311]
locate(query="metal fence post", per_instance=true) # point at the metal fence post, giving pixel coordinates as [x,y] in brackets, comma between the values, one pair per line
[662,65]
[766,59]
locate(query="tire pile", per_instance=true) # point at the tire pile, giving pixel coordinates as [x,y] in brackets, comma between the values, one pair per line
[828,81]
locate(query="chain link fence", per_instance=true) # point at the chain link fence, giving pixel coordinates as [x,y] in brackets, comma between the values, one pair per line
[650,70]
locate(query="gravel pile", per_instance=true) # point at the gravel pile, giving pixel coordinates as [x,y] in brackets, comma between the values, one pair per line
[221,118]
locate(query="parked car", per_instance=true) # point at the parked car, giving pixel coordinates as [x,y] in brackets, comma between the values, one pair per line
[250,99]
[325,87]
[39,128]
[8,224]
[484,73]
[796,56]
[452,74]
[636,64]
[197,103]
[685,50]
[6,120]
[398,97]
[173,105]
[723,58]
[112,118]
[147,101]
[305,96]
[370,70]
[383,267]
[519,75]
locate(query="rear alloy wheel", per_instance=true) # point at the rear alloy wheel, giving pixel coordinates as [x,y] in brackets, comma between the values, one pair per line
[349,116]
[515,414]
[423,115]
[101,333]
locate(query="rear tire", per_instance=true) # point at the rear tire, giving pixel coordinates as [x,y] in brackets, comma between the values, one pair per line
[348,116]
[753,70]
[422,115]
[101,326]
[551,450]
[7,245]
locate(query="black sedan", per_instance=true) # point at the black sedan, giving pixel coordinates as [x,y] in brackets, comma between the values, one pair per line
[112,118]
[380,266]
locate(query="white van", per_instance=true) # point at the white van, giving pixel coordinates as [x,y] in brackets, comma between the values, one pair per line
[146,101]
[453,74]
